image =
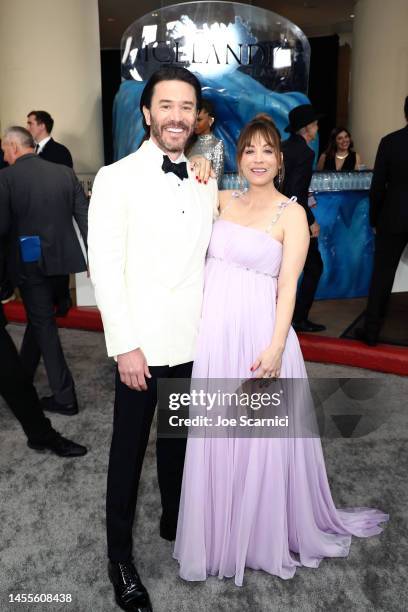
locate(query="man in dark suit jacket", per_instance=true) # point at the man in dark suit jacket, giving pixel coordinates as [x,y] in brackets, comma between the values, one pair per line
[298,160]
[2,162]
[19,393]
[39,200]
[389,218]
[40,125]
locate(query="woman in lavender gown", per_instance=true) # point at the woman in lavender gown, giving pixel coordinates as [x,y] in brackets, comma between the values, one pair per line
[261,503]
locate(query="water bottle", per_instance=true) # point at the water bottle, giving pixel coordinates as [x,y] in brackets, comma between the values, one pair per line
[367,180]
[314,185]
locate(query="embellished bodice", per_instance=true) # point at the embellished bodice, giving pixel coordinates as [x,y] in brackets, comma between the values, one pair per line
[243,247]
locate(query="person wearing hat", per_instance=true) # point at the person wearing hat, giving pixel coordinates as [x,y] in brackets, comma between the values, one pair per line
[298,160]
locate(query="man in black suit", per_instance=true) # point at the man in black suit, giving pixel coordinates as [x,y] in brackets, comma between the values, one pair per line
[19,393]
[38,202]
[298,160]
[2,162]
[389,218]
[40,125]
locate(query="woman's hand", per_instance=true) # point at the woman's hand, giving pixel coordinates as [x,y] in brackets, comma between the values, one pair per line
[202,167]
[268,364]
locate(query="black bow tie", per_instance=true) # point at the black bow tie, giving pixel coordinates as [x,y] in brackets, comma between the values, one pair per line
[179,170]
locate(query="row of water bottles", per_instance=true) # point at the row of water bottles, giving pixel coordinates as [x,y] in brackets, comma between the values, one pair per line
[341,181]
[234,182]
[321,181]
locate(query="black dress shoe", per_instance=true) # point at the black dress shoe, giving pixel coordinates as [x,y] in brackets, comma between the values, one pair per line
[130,594]
[307,326]
[361,334]
[60,446]
[50,404]
[168,530]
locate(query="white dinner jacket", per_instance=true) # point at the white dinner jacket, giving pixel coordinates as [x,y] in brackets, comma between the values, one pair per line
[146,259]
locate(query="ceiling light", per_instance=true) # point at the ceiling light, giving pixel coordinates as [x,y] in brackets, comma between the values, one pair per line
[352,16]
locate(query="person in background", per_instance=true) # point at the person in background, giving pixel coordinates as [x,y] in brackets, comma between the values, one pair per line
[298,160]
[204,143]
[3,164]
[389,218]
[19,393]
[6,290]
[38,203]
[40,125]
[339,155]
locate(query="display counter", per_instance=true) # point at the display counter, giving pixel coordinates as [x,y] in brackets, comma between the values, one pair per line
[346,240]
[346,243]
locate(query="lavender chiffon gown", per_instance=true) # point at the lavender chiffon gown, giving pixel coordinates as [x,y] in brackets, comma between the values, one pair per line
[260,503]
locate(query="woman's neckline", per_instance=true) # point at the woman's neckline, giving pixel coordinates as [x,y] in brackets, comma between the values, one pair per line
[254,229]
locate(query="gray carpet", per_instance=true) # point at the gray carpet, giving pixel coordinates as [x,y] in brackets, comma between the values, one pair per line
[52,512]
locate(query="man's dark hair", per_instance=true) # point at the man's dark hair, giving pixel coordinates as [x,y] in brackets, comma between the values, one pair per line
[208,107]
[43,117]
[406,108]
[168,73]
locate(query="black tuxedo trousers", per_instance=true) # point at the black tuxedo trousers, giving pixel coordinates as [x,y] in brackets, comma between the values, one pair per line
[133,415]
[388,250]
[311,275]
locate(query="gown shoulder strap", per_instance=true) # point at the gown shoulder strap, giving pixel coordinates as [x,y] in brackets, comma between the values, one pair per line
[279,212]
[234,196]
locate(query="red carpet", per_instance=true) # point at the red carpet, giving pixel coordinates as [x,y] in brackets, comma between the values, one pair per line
[383,358]
[85,317]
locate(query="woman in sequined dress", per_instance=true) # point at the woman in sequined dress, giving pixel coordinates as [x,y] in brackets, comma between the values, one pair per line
[205,143]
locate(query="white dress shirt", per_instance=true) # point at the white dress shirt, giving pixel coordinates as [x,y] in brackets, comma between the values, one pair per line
[41,144]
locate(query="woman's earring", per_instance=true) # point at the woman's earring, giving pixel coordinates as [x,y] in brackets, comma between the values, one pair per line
[280,178]
[241,183]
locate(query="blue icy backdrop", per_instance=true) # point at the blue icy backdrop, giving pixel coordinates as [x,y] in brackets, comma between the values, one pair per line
[237,97]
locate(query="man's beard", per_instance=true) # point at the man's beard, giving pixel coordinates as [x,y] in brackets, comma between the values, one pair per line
[157,131]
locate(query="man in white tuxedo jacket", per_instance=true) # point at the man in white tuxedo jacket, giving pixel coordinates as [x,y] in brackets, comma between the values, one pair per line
[149,227]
